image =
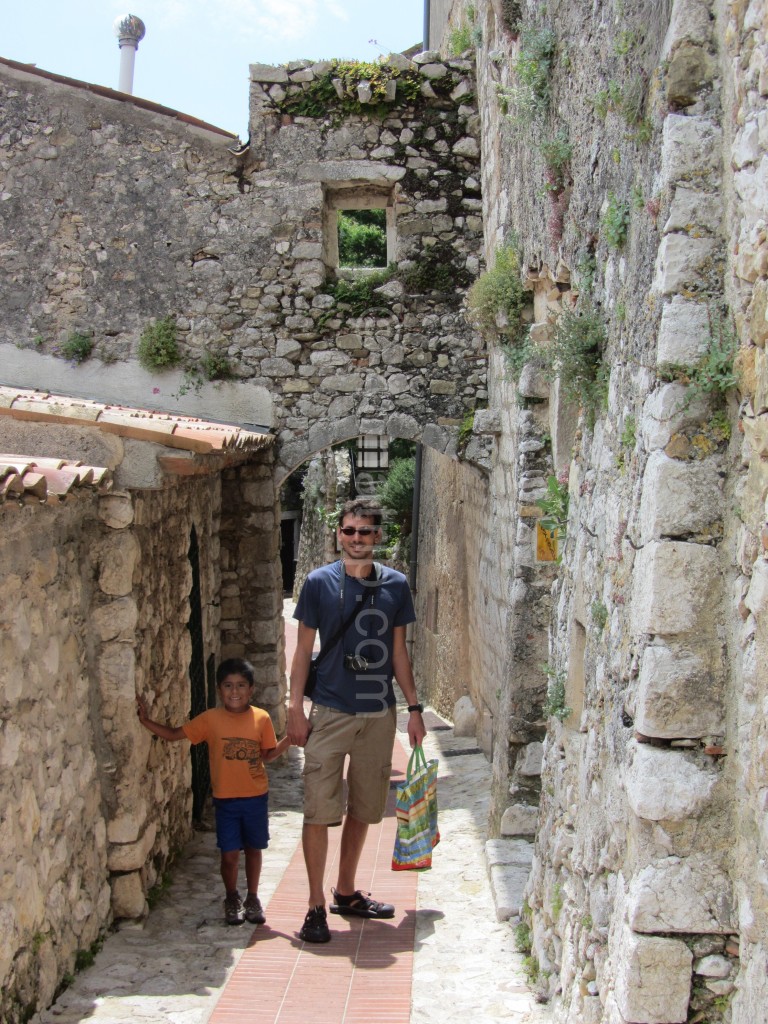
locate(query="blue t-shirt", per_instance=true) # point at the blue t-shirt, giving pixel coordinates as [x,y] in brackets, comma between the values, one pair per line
[384,603]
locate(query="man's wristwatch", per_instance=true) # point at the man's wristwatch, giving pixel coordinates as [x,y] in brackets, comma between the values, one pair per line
[416,707]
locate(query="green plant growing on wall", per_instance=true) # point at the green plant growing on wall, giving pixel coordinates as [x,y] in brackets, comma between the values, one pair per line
[496,299]
[158,890]
[586,271]
[616,221]
[85,957]
[216,366]
[575,357]
[624,43]
[433,272]
[556,902]
[511,14]
[607,99]
[396,493]
[518,354]
[533,67]
[328,516]
[356,297]
[629,432]
[628,102]
[159,346]
[554,706]
[465,433]
[77,347]
[460,39]
[557,153]
[557,158]
[599,614]
[554,504]
[321,99]
[715,373]
[523,938]
[531,969]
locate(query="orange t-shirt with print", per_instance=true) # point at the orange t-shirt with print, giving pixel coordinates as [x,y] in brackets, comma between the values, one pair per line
[235,743]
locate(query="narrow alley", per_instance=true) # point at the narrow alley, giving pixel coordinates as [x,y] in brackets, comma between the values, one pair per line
[448,961]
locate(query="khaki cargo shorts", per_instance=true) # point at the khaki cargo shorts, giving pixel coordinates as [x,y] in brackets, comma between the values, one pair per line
[368,739]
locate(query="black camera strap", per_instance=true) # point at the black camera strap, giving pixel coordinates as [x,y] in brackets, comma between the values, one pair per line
[351,618]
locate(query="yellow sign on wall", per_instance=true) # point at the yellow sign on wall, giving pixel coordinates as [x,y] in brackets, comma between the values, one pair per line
[547,543]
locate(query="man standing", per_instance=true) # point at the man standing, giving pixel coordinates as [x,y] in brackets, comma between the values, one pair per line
[353,711]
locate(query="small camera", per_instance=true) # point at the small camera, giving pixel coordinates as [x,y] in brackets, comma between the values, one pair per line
[355,662]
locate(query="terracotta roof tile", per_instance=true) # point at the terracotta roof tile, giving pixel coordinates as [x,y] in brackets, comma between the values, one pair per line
[25,478]
[184,432]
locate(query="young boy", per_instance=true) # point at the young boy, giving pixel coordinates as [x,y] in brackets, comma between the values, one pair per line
[241,740]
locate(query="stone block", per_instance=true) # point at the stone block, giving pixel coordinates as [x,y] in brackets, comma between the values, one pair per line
[117,555]
[487,421]
[127,827]
[117,674]
[337,171]
[686,895]
[691,146]
[127,896]
[757,595]
[519,820]
[132,856]
[533,383]
[653,979]
[689,22]
[508,882]
[267,73]
[692,212]
[116,510]
[675,587]
[682,262]
[680,693]
[667,411]
[679,498]
[683,332]
[464,717]
[507,852]
[467,147]
[116,620]
[688,69]
[529,760]
[666,785]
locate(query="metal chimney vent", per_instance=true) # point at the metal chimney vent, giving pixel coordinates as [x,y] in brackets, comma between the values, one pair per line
[130,31]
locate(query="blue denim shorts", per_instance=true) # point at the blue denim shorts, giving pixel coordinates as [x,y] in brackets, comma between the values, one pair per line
[242,822]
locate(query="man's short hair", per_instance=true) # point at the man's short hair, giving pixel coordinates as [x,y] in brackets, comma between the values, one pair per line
[367,507]
[235,667]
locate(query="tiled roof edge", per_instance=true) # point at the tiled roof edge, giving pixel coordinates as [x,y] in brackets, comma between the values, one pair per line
[187,433]
[28,479]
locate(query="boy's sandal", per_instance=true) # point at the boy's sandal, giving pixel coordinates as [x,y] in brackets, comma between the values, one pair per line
[360,904]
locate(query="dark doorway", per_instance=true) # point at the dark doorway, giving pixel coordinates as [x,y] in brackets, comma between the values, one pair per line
[288,531]
[203,684]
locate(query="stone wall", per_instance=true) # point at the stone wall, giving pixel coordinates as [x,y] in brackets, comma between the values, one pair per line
[251,582]
[97,602]
[56,895]
[643,906]
[239,249]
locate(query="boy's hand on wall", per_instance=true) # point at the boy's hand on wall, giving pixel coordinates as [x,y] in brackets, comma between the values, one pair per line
[141,709]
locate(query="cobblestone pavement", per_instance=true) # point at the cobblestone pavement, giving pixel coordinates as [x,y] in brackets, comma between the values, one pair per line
[173,967]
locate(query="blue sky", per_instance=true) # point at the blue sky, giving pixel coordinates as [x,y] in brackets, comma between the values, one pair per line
[196,53]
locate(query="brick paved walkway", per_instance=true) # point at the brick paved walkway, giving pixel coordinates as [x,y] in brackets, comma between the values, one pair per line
[362,976]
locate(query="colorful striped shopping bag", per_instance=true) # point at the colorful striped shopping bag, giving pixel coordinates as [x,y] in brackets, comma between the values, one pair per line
[416,810]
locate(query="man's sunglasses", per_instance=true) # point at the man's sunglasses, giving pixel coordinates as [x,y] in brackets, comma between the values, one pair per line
[364,531]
